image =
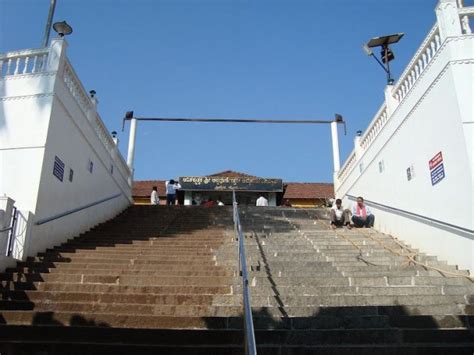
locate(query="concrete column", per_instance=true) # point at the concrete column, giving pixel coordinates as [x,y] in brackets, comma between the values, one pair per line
[390,101]
[272,200]
[131,148]
[188,198]
[335,147]
[448,19]
[357,147]
[57,54]
[92,112]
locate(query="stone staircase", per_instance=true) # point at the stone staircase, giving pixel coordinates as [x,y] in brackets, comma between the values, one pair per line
[165,280]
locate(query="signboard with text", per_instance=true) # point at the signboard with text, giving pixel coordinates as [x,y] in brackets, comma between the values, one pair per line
[436,168]
[222,183]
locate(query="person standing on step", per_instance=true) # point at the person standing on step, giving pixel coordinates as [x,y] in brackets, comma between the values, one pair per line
[171,187]
[361,214]
[154,198]
[340,216]
[262,201]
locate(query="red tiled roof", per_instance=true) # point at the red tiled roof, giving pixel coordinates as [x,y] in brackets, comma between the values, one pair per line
[308,190]
[294,190]
[231,173]
[143,188]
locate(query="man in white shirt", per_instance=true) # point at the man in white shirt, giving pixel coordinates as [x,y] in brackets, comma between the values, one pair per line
[262,201]
[171,187]
[154,198]
[339,215]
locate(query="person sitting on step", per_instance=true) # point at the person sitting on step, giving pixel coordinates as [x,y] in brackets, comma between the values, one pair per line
[340,216]
[361,214]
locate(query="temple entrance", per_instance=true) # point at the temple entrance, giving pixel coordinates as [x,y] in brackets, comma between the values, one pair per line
[218,187]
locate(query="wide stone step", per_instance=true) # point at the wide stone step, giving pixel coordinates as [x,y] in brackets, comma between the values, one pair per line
[74,267]
[138,261]
[128,252]
[137,298]
[354,290]
[366,281]
[104,288]
[83,256]
[89,339]
[348,300]
[236,322]
[156,247]
[139,280]
[127,271]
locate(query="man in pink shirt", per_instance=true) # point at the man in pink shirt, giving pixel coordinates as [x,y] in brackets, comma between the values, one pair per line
[361,214]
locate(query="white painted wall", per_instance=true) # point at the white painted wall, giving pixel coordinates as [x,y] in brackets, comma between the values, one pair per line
[435,114]
[46,114]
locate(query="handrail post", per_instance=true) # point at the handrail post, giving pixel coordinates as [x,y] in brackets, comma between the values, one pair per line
[249,332]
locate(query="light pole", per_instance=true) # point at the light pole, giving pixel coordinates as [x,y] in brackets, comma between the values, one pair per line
[386,53]
[47,30]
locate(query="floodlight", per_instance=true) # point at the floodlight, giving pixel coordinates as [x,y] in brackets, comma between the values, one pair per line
[386,54]
[129,115]
[62,28]
[367,50]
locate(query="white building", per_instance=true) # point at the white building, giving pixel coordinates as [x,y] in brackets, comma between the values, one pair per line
[414,163]
[58,164]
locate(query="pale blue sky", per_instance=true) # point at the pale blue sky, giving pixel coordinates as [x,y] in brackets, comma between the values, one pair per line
[281,59]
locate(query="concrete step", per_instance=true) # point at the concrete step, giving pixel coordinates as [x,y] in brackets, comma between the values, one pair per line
[73,267]
[225,341]
[118,298]
[137,261]
[107,288]
[138,280]
[354,290]
[127,271]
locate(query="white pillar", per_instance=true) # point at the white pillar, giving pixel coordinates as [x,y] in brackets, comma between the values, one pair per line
[357,147]
[188,198]
[131,148]
[272,201]
[390,101]
[57,54]
[335,147]
[447,14]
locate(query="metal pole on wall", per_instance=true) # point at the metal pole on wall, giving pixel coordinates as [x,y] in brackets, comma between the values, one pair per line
[131,147]
[47,30]
[335,146]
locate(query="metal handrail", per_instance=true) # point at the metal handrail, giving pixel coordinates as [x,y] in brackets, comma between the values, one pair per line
[249,332]
[377,204]
[49,219]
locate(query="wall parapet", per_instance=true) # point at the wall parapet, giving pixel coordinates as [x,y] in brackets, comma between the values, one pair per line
[15,64]
[28,61]
[396,95]
[418,64]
